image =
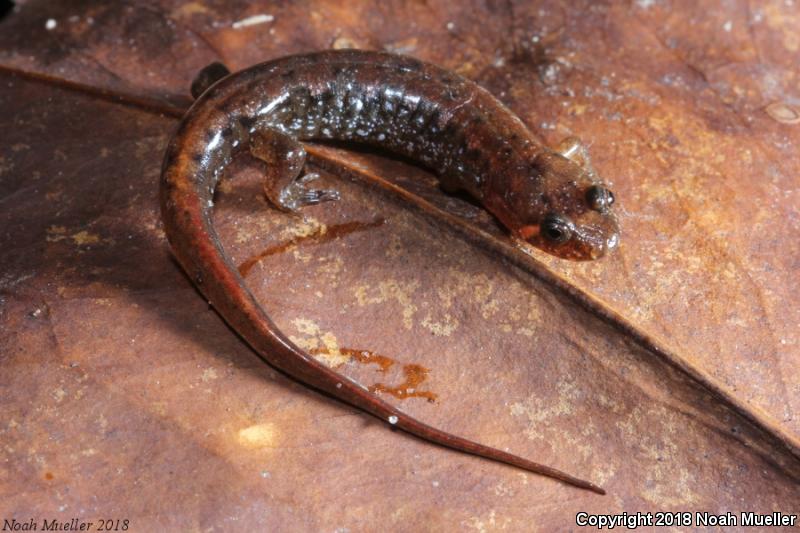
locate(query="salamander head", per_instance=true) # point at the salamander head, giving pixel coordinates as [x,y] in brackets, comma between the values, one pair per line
[571,215]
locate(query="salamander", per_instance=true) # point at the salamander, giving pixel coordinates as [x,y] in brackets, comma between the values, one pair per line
[548,198]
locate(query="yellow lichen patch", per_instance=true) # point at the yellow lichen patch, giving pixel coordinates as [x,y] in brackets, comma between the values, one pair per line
[533,317]
[390,290]
[258,436]
[478,288]
[528,332]
[84,237]
[488,522]
[302,256]
[309,226]
[325,345]
[577,109]
[58,394]
[304,343]
[248,232]
[308,327]
[330,267]
[501,489]
[537,410]
[333,357]
[659,124]
[81,238]
[55,233]
[394,247]
[159,408]
[443,328]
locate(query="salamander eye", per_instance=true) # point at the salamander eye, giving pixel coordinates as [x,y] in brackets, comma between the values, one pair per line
[599,198]
[556,229]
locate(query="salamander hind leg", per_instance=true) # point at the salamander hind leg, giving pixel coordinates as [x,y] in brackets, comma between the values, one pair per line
[285,185]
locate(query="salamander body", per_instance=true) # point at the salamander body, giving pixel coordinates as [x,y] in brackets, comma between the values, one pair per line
[549,199]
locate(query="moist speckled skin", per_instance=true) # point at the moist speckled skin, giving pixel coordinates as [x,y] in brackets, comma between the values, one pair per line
[430,115]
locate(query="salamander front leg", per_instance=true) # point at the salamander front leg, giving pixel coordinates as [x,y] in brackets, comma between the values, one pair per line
[284,186]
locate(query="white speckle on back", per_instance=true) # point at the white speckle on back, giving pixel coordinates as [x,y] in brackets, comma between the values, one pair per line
[393,420]
[50,24]
[272,105]
[212,145]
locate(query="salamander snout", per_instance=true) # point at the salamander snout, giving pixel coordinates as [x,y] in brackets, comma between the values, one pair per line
[572,218]
[586,237]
